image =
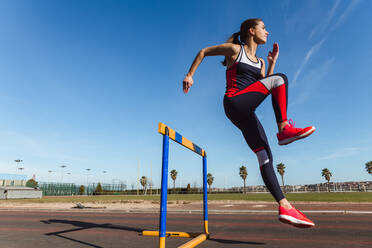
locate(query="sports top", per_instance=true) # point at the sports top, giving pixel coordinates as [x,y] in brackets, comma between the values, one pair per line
[242,73]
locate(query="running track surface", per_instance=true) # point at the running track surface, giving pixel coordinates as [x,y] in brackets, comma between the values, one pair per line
[53,229]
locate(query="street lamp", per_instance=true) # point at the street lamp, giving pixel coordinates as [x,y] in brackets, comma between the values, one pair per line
[18,161]
[20,168]
[104,172]
[87,180]
[62,166]
[50,171]
[69,173]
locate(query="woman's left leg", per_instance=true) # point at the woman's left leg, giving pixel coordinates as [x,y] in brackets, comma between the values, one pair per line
[256,139]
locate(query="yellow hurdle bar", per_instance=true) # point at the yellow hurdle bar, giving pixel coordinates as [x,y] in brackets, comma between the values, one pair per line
[180,139]
[171,234]
[194,242]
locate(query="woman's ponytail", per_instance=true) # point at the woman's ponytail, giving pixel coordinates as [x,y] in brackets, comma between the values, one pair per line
[234,38]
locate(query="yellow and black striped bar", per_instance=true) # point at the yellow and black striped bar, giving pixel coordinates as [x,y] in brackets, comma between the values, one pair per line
[180,139]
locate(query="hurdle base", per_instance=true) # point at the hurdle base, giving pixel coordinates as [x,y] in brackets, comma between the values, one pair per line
[197,237]
[195,241]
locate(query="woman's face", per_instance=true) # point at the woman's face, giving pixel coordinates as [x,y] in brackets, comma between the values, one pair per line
[260,33]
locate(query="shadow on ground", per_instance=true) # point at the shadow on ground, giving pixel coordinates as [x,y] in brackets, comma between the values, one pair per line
[81,225]
[226,241]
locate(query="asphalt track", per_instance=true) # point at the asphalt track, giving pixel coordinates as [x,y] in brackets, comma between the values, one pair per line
[55,229]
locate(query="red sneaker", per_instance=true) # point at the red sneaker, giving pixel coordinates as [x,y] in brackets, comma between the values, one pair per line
[290,133]
[294,217]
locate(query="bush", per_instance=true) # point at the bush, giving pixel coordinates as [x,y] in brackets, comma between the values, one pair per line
[98,190]
[82,190]
[188,189]
[31,183]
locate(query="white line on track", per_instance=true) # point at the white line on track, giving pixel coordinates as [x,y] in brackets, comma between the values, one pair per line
[184,211]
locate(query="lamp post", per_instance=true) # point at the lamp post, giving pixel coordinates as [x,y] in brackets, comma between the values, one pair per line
[69,173]
[20,168]
[49,171]
[104,172]
[88,181]
[62,166]
[18,161]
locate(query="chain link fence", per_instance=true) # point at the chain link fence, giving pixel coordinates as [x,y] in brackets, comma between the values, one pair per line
[69,189]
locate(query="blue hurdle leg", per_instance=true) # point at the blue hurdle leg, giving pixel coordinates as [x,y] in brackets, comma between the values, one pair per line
[205,194]
[164,191]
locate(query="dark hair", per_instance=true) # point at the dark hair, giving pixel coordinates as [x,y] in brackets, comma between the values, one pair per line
[243,34]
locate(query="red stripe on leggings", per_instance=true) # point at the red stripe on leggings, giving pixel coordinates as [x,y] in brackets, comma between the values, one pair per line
[255,87]
[279,94]
[258,149]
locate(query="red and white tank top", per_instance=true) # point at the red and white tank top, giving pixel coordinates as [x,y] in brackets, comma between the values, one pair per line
[242,73]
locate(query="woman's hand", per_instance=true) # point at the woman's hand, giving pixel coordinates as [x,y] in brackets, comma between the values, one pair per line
[187,83]
[273,55]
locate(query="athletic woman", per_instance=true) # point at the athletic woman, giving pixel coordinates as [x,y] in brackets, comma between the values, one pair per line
[246,88]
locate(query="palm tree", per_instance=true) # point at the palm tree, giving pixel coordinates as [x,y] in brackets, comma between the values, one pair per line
[243,174]
[210,179]
[173,174]
[369,167]
[143,182]
[327,175]
[280,168]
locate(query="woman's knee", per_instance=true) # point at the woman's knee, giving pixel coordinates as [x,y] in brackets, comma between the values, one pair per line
[263,156]
[283,76]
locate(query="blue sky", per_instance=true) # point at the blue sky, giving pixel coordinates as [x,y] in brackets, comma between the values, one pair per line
[85,83]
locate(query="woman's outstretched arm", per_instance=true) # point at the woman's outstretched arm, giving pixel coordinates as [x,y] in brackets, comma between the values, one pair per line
[226,49]
[271,59]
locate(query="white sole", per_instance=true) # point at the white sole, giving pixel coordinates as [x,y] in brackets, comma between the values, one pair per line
[290,140]
[295,221]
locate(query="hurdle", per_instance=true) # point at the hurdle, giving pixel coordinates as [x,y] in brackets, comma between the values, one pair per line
[198,238]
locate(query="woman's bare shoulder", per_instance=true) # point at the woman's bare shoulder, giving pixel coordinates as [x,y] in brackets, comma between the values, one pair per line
[235,47]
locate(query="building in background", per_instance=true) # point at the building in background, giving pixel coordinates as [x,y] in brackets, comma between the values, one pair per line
[12,180]
[20,193]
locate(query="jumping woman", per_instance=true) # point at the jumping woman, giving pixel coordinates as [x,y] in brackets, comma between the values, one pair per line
[246,88]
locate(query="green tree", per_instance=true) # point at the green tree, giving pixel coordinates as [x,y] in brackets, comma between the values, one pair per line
[369,167]
[327,175]
[243,174]
[143,182]
[210,179]
[32,183]
[81,189]
[188,189]
[280,168]
[98,190]
[173,175]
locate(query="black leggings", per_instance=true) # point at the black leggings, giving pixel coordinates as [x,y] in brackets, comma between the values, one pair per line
[240,109]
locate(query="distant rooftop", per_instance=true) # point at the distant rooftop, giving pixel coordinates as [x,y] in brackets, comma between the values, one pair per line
[12,177]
